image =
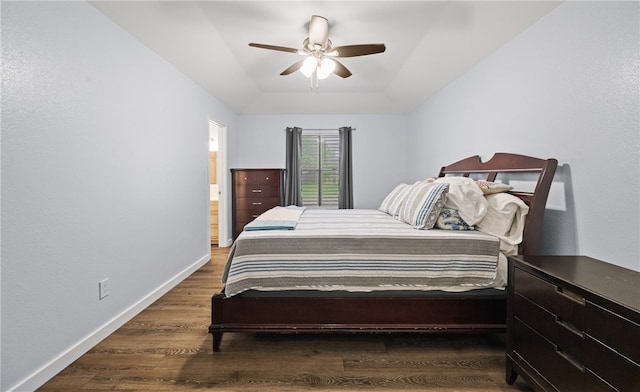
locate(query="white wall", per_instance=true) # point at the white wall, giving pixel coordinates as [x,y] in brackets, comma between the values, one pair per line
[379,158]
[567,88]
[104,174]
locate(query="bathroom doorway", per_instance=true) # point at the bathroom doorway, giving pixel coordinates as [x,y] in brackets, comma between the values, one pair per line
[218,185]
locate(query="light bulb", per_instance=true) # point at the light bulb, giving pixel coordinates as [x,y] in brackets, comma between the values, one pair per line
[326,67]
[308,66]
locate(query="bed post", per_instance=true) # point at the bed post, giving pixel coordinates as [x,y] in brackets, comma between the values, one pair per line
[216,319]
[533,227]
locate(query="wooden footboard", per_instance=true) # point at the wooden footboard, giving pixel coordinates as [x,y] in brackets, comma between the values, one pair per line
[449,314]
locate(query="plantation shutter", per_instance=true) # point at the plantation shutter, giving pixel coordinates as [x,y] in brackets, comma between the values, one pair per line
[320,164]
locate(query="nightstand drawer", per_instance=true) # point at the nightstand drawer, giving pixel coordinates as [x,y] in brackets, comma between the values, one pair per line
[566,305]
[568,338]
[559,368]
[620,334]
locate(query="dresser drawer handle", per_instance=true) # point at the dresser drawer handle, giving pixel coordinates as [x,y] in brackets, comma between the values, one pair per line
[570,359]
[256,190]
[570,327]
[256,203]
[255,215]
[570,296]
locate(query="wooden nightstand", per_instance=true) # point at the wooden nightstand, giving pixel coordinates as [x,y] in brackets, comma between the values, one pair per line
[573,324]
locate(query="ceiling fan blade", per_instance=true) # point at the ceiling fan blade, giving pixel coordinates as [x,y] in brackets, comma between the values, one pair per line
[358,50]
[341,70]
[273,47]
[319,31]
[293,68]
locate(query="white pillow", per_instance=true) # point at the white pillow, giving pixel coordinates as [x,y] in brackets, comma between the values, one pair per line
[394,200]
[423,204]
[466,197]
[505,217]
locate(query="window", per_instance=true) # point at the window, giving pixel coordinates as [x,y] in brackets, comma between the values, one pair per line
[320,163]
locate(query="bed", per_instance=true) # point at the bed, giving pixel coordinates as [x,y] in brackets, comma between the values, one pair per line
[413,265]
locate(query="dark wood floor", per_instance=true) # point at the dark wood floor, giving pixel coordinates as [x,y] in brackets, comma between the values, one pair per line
[167,347]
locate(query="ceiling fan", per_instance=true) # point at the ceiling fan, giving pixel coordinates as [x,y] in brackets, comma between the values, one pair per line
[320,54]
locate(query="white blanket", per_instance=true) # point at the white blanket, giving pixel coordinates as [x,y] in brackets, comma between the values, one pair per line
[466,197]
[277,218]
[290,213]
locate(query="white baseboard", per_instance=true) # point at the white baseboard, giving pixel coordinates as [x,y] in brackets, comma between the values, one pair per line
[55,366]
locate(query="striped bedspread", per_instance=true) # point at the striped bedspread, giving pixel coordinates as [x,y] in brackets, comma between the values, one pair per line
[359,251]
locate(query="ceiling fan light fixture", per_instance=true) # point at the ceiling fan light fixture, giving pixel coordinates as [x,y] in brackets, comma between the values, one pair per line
[308,66]
[325,68]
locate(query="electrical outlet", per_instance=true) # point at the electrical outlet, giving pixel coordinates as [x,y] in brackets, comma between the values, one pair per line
[105,288]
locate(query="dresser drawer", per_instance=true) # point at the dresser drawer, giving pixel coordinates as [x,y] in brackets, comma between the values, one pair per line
[257,190]
[612,367]
[256,203]
[245,216]
[257,177]
[565,336]
[593,383]
[239,224]
[617,332]
[568,307]
[557,366]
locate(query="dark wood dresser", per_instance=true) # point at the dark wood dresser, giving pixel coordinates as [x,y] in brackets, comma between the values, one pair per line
[573,324]
[254,191]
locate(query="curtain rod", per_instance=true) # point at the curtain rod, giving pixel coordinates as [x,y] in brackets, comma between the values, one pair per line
[320,129]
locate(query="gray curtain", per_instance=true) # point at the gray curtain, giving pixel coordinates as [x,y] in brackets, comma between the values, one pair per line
[345,179]
[293,173]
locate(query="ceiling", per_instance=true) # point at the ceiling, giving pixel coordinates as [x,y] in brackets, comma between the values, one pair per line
[429,45]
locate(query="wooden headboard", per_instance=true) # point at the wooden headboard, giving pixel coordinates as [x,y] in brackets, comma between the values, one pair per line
[502,163]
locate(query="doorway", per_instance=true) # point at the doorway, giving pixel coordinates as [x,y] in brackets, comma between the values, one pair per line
[218,185]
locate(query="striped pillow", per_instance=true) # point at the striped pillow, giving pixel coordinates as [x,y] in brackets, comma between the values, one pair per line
[394,200]
[423,205]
